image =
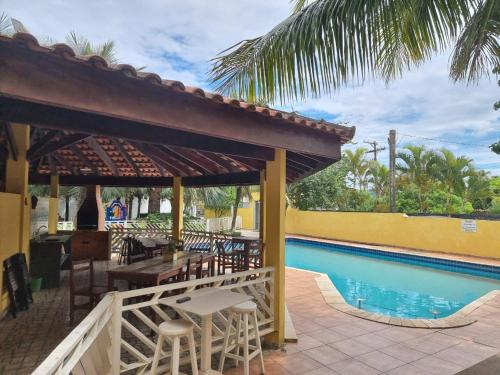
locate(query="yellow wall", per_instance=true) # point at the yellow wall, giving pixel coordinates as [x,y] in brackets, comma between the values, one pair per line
[425,233]
[9,234]
[247,214]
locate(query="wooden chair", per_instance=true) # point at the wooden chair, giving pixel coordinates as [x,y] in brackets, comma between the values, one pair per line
[256,256]
[125,249]
[225,259]
[136,252]
[81,284]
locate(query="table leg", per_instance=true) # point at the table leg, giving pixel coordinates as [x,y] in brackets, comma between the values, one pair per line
[206,346]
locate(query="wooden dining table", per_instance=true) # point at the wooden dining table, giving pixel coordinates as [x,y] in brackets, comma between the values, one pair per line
[153,271]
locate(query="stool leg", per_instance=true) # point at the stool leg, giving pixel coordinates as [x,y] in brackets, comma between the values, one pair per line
[237,338]
[246,361]
[192,354]
[174,363]
[226,341]
[156,357]
[257,341]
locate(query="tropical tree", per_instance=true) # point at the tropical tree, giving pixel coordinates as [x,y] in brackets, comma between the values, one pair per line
[358,166]
[325,44]
[378,177]
[478,189]
[452,171]
[415,164]
[83,47]
[241,193]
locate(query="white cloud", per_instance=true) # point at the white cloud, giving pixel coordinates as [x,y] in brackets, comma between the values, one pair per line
[176,39]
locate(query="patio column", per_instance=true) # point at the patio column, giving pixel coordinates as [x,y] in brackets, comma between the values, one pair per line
[177,208]
[262,213]
[53,204]
[16,181]
[275,237]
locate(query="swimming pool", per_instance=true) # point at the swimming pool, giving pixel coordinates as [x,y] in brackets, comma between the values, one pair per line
[398,285]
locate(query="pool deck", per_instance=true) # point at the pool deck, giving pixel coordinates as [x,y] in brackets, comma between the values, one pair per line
[329,341]
[400,250]
[332,342]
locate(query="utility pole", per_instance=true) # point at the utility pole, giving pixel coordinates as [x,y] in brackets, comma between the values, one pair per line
[392,169]
[375,148]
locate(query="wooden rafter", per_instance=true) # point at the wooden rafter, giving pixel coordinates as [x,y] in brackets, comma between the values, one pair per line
[126,156]
[103,155]
[83,158]
[199,160]
[219,160]
[157,160]
[65,163]
[45,148]
[42,142]
[172,152]
[10,139]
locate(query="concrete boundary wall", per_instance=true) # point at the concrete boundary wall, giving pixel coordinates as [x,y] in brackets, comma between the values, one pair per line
[440,234]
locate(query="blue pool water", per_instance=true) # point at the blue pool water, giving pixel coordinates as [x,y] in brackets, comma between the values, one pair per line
[406,288]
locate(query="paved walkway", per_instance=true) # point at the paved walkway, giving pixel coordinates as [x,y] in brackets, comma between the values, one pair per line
[330,342]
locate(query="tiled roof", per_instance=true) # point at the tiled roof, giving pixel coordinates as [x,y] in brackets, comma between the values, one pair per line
[345,133]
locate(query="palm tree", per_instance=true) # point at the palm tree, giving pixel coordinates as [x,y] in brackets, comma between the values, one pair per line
[358,166]
[325,44]
[478,189]
[241,192]
[83,47]
[417,167]
[378,177]
[453,171]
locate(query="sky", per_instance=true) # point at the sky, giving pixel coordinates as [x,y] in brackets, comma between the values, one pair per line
[177,39]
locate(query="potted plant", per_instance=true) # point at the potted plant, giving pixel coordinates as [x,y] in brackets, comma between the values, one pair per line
[169,252]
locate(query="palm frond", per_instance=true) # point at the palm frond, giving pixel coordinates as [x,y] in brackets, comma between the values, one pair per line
[328,43]
[477,50]
[5,24]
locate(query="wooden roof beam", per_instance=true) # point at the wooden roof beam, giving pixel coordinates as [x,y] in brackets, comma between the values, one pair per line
[94,124]
[83,158]
[126,156]
[103,155]
[10,139]
[39,149]
[229,179]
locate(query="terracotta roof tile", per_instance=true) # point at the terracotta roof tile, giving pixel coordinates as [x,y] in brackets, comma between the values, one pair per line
[345,133]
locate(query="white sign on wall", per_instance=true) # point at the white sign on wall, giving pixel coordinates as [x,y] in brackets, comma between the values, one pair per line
[469,226]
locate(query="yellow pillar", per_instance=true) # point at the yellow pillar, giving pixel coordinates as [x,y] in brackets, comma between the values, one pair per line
[16,182]
[275,237]
[262,218]
[53,204]
[177,208]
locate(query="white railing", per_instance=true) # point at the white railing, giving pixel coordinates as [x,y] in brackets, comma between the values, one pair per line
[120,334]
[222,224]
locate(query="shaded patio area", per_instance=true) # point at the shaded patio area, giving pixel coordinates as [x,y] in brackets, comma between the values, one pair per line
[330,342]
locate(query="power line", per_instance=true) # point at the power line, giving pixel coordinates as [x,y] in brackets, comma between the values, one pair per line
[443,141]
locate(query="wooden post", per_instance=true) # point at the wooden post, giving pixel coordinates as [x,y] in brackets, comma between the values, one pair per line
[116,333]
[275,237]
[16,180]
[392,169]
[262,213]
[53,204]
[177,208]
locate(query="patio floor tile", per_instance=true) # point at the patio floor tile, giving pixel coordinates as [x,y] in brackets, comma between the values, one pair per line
[380,361]
[299,363]
[408,369]
[437,366]
[403,352]
[326,336]
[374,341]
[351,347]
[325,355]
[352,366]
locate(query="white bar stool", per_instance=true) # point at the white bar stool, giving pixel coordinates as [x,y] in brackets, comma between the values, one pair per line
[242,311]
[175,329]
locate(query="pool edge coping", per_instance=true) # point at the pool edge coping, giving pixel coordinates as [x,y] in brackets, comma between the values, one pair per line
[461,318]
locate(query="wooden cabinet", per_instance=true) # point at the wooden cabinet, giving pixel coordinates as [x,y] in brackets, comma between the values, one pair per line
[90,244]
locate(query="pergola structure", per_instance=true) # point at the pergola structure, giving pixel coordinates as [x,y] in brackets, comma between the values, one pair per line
[73,120]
